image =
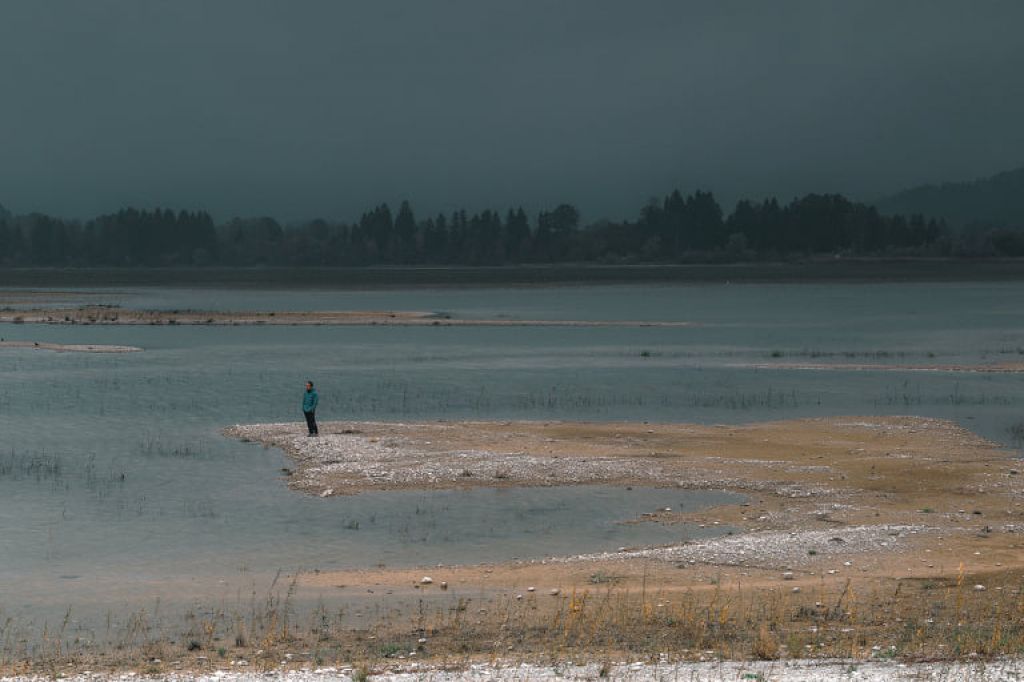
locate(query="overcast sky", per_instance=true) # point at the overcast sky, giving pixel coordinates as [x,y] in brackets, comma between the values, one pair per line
[311,108]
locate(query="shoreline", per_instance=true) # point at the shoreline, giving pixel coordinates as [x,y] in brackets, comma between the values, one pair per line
[823,269]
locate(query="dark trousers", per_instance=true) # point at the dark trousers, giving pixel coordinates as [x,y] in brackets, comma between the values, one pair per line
[311,422]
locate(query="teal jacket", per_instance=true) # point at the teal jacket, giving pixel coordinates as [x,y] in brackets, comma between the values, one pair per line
[310,400]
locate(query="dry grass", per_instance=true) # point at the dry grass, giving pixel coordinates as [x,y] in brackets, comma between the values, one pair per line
[900,619]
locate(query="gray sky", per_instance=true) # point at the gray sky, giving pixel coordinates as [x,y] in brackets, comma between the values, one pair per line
[313,108]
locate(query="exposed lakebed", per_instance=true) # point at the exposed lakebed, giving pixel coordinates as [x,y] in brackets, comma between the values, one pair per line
[118,479]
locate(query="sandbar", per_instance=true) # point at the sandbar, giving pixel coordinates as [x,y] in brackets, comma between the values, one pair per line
[70,347]
[114,315]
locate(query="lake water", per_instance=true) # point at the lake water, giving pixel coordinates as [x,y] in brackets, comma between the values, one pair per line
[116,486]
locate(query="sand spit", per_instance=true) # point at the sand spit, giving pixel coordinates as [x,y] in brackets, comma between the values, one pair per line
[70,347]
[353,457]
[113,315]
[815,487]
[798,459]
[798,670]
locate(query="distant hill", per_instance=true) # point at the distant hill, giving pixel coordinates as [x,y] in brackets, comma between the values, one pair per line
[997,201]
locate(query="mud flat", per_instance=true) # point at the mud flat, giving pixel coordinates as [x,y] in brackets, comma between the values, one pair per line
[70,347]
[113,315]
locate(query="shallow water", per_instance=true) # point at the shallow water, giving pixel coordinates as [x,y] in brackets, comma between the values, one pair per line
[113,473]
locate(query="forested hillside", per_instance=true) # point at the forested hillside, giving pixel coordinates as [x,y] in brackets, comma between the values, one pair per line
[996,201]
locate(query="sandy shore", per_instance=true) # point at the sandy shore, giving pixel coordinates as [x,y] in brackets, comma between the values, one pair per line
[70,347]
[113,315]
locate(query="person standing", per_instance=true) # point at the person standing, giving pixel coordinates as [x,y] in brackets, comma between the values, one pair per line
[310,399]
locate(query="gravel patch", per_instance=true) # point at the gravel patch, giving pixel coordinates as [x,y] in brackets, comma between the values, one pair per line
[339,463]
[774,549]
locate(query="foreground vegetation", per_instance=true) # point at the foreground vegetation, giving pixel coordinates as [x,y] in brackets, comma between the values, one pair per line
[908,620]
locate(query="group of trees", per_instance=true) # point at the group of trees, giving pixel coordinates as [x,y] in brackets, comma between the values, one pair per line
[677,229]
[128,237]
[381,237]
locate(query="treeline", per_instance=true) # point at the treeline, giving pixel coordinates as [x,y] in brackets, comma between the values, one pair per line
[128,237]
[677,229]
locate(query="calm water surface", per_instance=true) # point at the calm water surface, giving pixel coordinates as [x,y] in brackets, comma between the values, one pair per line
[115,483]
